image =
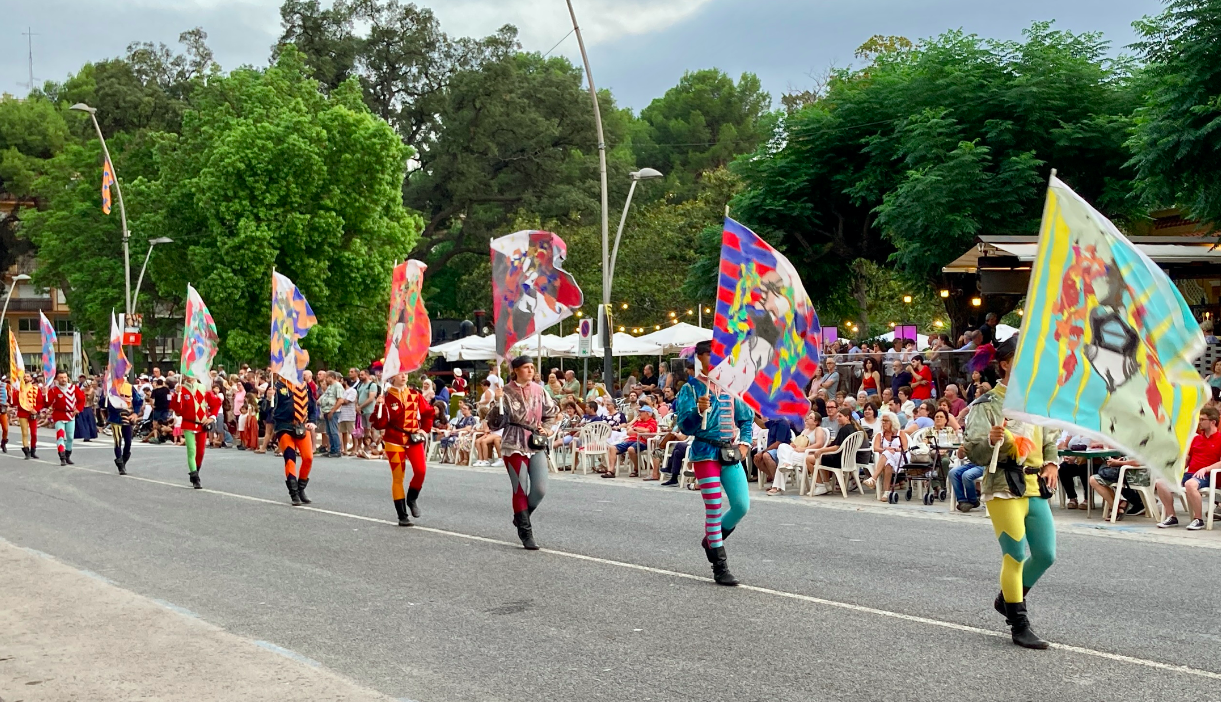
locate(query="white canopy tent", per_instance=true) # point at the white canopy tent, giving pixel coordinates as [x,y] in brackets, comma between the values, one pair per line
[921,339]
[677,337]
[624,345]
[483,348]
[1004,331]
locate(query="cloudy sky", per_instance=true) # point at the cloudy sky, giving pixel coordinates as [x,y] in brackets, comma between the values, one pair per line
[638,48]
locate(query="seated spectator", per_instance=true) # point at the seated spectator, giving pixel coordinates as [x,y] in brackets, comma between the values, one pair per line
[570,422]
[962,481]
[830,379]
[852,406]
[942,419]
[1209,337]
[895,408]
[890,446]
[829,455]
[1072,468]
[1107,477]
[813,436]
[779,431]
[957,404]
[488,442]
[905,401]
[463,426]
[572,386]
[1203,458]
[870,420]
[921,420]
[832,425]
[554,388]
[646,423]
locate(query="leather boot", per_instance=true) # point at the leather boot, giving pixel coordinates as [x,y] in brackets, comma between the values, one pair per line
[720,567]
[413,493]
[121,466]
[4,445]
[724,535]
[26,452]
[301,483]
[34,452]
[291,482]
[524,531]
[194,476]
[999,603]
[63,459]
[1015,615]
[400,506]
[68,458]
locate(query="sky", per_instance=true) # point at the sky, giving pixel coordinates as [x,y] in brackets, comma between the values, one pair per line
[637,48]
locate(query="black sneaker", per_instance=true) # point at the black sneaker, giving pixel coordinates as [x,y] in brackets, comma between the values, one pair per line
[1196,525]
[1168,522]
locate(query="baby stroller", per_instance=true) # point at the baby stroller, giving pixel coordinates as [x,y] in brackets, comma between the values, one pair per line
[923,465]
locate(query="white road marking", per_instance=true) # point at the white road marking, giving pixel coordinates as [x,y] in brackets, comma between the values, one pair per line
[1119,658]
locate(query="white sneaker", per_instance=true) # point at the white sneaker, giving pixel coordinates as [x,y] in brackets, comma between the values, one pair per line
[820,489]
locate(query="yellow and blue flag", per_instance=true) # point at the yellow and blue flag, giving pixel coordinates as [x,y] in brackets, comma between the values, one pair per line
[291,319]
[107,181]
[1107,342]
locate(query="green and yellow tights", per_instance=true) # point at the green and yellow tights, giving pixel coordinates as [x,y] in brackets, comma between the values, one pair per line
[1027,537]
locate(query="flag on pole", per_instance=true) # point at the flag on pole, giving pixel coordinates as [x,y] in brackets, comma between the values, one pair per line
[408,330]
[766,337]
[291,320]
[49,339]
[16,364]
[198,338]
[78,358]
[1107,343]
[116,369]
[530,288]
[107,181]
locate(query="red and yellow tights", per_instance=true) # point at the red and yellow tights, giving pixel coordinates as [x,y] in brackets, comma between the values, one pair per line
[399,457]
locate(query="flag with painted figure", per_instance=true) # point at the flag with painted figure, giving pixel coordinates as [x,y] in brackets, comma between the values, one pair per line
[16,365]
[291,320]
[199,338]
[107,181]
[531,291]
[1107,342]
[766,336]
[117,367]
[49,340]
[408,329]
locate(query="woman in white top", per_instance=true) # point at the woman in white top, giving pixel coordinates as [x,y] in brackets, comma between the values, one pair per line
[890,445]
[792,455]
[870,419]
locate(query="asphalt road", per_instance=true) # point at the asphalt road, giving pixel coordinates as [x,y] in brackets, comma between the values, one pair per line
[842,604]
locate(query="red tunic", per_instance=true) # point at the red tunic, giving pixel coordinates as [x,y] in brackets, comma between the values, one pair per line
[31,395]
[195,407]
[65,404]
[401,413]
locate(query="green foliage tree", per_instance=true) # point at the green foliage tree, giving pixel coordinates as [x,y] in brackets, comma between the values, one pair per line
[1177,144]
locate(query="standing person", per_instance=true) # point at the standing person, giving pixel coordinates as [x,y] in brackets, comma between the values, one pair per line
[406,418]
[86,421]
[5,393]
[269,426]
[710,415]
[295,414]
[161,408]
[524,411]
[347,418]
[1016,492]
[198,411]
[457,393]
[30,401]
[122,420]
[328,405]
[65,401]
[367,392]
[921,381]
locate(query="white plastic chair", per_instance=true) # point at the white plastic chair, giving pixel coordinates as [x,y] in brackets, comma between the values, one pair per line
[847,465]
[1210,495]
[593,443]
[1146,492]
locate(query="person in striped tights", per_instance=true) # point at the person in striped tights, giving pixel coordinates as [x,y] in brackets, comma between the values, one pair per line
[295,417]
[716,421]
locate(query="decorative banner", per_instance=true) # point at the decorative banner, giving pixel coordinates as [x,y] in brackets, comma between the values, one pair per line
[408,330]
[1107,343]
[107,181]
[530,289]
[78,358]
[49,340]
[116,369]
[16,362]
[766,338]
[198,338]
[291,320]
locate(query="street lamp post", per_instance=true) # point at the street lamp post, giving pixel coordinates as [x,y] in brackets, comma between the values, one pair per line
[82,107]
[140,279]
[637,176]
[16,279]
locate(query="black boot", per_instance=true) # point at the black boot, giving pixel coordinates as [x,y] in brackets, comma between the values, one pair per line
[34,452]
[1015,616]
[68,458]
[26,452]
[63,458]
[4,445]
[119,464]
[724,535]
[301,483]
[413,493]
[525,532]
[720,567]
[291,482]
[999,603]
[400,506]
[194,476]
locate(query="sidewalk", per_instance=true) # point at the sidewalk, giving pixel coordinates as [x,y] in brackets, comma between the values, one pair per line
[66,636]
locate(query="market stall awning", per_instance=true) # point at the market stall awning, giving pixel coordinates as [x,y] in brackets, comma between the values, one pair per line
[677,337]
[1017,252]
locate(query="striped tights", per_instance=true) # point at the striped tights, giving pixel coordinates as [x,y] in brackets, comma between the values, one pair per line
[715,480]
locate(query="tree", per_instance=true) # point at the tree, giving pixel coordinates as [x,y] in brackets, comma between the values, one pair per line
[1176,145]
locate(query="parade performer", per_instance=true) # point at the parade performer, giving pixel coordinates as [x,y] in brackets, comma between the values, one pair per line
[66,400]
[295,415]
[524,411]
[721,426]
[30,402]
[1026,462]
[406,419]
[198,409]
[6,391]
[122,414]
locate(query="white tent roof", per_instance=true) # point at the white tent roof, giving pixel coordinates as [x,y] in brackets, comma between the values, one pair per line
[625,345]
[1004,331]
[677,337]
[483,348]
[921,339]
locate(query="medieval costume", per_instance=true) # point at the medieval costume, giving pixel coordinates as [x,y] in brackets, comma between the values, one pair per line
[30,401]
[122,416]
[295,416]
[197,409]
[406,419]
[65,401]
[6,391]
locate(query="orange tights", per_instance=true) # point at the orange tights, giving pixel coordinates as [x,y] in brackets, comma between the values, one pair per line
[297,451]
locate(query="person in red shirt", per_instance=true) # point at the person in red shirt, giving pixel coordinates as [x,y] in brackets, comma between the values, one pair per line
[922,380]
[30,401]
[1203,458]
[405,417]
[198,409]
[645,423]
[65,401]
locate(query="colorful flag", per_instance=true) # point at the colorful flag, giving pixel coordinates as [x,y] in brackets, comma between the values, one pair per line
[16,363]
[49,339]
[116,369]
[766,337]
[1107,342]
[530,288]
[408,330]
[107,181]
[78,358]
[198,338]
[291,320]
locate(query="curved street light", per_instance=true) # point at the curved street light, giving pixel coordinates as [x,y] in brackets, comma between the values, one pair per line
[151,244]
[637,176]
